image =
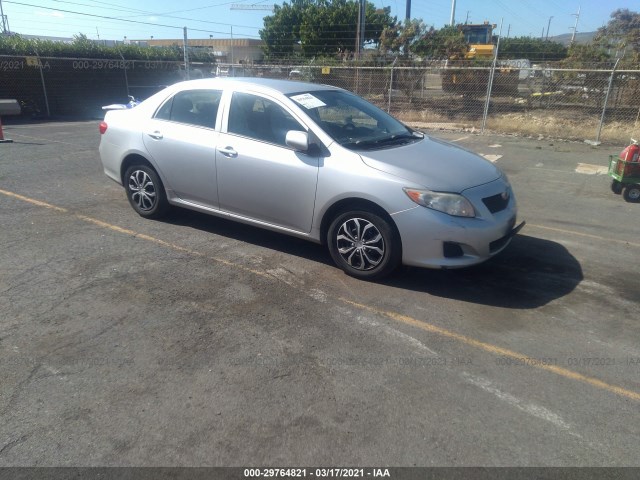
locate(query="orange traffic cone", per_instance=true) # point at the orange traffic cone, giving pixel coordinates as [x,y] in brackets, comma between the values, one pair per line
[2,139]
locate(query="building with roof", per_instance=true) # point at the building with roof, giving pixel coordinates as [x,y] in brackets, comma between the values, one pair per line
[225,50]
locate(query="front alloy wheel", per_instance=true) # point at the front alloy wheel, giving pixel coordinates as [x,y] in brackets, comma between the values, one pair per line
[364,245]
[360,244]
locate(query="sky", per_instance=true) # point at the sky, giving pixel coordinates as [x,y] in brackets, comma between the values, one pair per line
[143,19]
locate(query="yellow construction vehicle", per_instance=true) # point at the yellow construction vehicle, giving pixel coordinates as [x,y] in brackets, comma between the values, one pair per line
[480,40]
[481,46]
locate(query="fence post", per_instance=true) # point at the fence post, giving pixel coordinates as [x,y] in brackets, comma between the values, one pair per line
[490,84]
[44,86]
[126,78]
[186,56]
[606,100]
[356,81]
[391,85]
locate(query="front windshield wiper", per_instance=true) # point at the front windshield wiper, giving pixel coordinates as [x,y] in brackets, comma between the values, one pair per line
[378,142]
[393,138]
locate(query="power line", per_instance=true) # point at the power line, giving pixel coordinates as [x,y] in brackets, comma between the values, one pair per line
[110,26]
[140,22]
[253,6]
[111,7]
[143,12]
[93,15]
[201,8]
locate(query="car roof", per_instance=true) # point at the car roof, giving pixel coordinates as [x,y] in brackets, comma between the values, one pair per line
[260,84]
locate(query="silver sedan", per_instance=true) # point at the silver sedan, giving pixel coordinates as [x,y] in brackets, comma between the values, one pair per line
[315,162]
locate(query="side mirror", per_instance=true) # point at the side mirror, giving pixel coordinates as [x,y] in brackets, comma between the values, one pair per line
[297,140]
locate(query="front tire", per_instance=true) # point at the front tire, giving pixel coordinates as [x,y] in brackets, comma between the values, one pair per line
[632,193]
[145,191]
[616,187]
[364,245]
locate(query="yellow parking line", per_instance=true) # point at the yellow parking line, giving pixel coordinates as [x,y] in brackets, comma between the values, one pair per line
[33,201]
[586,235]
[170,245]
[494,349]
[398,317]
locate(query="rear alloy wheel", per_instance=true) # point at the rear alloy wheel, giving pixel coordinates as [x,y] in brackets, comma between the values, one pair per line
[364,245]
[145,191]
[632,193]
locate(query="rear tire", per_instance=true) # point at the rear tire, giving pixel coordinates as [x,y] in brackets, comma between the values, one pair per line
[145,191]
[632,193]
[364,245]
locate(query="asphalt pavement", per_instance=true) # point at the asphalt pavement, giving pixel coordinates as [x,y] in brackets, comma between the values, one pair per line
[196,341]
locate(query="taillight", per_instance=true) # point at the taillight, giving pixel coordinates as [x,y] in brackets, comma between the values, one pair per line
[102,127]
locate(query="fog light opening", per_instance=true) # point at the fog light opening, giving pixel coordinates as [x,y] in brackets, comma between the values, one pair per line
[452,250]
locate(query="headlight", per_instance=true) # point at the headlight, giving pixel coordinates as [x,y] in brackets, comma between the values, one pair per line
[449,203]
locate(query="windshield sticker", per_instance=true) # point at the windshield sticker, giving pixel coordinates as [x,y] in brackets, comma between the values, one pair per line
[308,101]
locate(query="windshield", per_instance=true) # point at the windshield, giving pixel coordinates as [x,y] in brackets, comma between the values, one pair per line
[478,35]
[353,122]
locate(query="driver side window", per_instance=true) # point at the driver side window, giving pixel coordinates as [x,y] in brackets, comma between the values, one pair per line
[261,119]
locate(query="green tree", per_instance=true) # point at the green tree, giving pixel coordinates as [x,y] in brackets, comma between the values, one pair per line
[399,38]
[447,42]
[533,49]
[622,34]
[83,47]
[314,28]
[584,56]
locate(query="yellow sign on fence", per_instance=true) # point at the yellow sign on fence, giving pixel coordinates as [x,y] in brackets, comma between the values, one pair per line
[326,70]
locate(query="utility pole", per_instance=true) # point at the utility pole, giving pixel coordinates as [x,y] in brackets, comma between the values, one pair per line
[357,46]
[232,50]
[4,22]
[575,28]
[363,11]
[360,28]
[453,13]
[407,22]
[466,20]
[548,25]
[508,30]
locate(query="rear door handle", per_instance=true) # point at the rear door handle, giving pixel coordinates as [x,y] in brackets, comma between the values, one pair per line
[155,134]
[228,152]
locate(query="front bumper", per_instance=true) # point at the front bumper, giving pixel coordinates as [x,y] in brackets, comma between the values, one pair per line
[436,240]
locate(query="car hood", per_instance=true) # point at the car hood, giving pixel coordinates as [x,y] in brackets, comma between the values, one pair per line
[438,165]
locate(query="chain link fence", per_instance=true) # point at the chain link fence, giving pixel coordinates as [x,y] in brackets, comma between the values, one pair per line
[597,103]
[79,87]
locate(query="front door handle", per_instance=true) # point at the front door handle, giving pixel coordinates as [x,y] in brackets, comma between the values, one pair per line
[228,152]
[155,134]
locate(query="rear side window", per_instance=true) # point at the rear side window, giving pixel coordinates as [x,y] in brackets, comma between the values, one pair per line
[192,107]
[259,118]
